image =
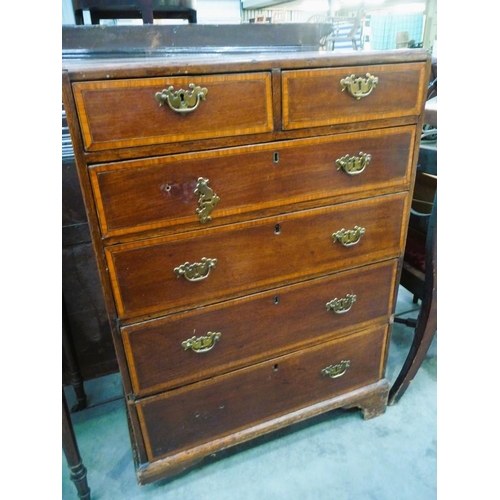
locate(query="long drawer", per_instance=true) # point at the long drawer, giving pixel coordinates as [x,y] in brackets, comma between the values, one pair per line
[125,113]
[197,188]
[199,413]
[202,267]
[319,97]
[184,348]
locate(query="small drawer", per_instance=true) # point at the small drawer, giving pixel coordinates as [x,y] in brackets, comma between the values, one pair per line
[185,348]
[199,413]
[198,268]
[320,97]
[125,113]
[204,189]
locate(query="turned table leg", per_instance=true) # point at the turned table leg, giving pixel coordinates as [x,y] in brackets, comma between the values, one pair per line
[78,472]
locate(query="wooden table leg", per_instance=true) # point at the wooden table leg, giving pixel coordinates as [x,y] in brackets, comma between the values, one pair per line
[78,472]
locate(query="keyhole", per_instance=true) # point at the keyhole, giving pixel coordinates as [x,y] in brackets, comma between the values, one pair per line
[277,229]
[276,157]
[276,300]
[276,368]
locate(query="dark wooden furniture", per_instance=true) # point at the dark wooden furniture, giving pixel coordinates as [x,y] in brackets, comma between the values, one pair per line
[78,472]
[426,324]
[248,214]
[419,273]
[166,41]
[88,347]
[147,10]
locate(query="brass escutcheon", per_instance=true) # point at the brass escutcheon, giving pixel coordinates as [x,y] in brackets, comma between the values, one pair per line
[359,87]
[182,101]
[207,199]
[343,305]
[353,165]
[203,343]
[335,371]
[349,237]
[197,271]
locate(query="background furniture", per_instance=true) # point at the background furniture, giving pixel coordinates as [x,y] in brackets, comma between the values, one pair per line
[345,32]
[419,273]
[147,10]
[248,219]
[71,364]
[88,348]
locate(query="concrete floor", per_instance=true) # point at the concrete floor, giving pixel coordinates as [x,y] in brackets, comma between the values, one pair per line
[335,456]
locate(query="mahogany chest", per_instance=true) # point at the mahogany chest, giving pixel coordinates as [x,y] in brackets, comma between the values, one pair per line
[248,215]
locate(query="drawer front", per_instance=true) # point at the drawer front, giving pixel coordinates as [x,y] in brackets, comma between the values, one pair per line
[199,413]
[314,98]
[202,267]
[125,113]
[207,187]
[189,347]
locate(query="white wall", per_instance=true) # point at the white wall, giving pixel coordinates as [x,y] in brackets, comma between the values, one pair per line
[430,32]
[218,11]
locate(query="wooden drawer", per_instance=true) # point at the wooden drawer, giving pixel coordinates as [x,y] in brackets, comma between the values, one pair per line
[125,113]
[251,256]
[314,98]
[162,192]
[199,413]
[246,328]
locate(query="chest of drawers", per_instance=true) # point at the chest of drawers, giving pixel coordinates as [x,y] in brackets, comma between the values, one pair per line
[248,215]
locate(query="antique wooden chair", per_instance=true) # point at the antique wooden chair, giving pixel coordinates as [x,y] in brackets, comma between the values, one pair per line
[347,29]
[346,32]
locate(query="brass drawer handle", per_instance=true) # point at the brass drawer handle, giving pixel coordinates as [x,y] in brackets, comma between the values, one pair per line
[182,101]
[359,87]
[353,165]
[341,306]
[203,343]
[207,200]
[197,271]
[335,371]
[349,237]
